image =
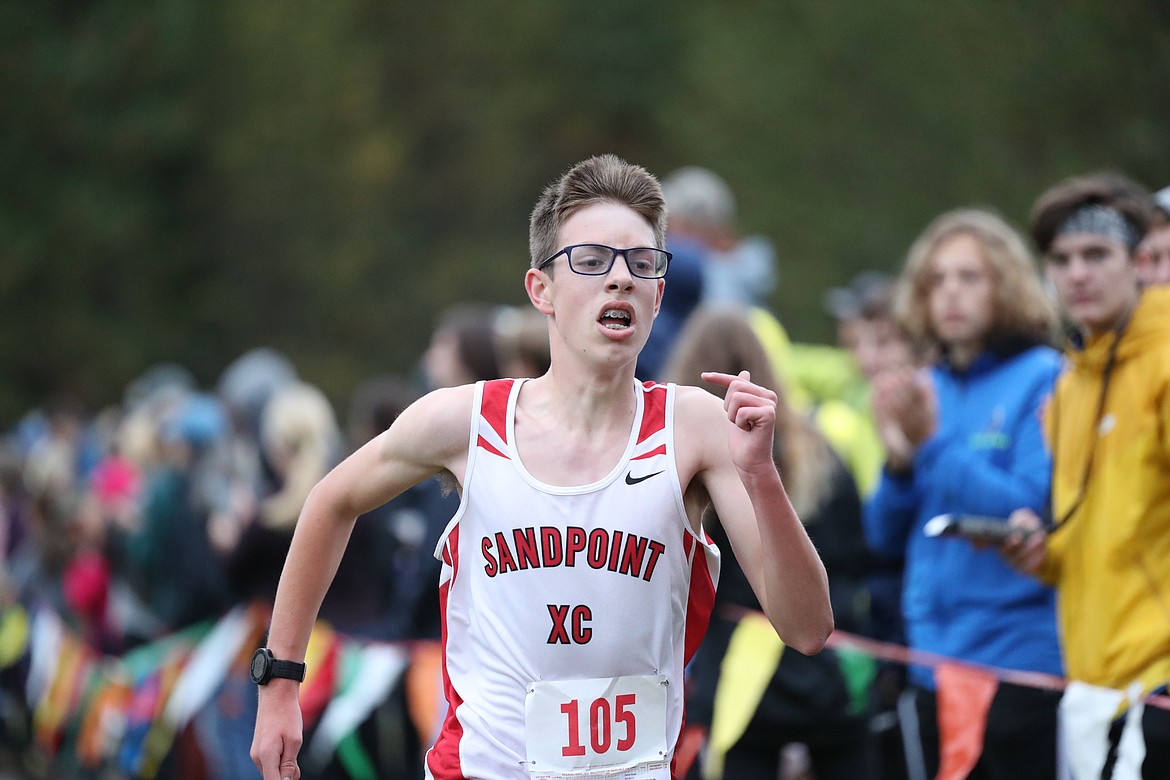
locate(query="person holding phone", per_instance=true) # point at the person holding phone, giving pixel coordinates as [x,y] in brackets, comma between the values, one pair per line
[1106,547]
[964,437]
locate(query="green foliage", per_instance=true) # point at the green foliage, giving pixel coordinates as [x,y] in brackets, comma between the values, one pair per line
[186,180]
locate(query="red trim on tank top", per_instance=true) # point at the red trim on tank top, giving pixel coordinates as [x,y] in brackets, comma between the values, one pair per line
[443,758]
[653,412]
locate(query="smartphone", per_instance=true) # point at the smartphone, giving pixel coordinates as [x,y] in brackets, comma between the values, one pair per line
[975,528]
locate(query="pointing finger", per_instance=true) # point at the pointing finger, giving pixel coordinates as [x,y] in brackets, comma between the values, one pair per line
[725,380]
[719,378]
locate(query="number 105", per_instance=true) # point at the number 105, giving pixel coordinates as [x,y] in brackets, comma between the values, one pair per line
[603,718]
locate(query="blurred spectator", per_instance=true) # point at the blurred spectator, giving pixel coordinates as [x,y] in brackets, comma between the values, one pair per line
[462,348]
[86,580]
[245,387]
[117,486]
[1107,547]
[522,342]
[249,381]
[167,553]
[712,264]
[300,437]
[684,279]
[825,383]
[1153,253]
[374,404]
[53,565]
[867,327]
[965,439]
[300,440]
[875,342]
[702,208]
[385,585]
[53,456]
[158,385]
[817,701]
[52,525]
[12,505]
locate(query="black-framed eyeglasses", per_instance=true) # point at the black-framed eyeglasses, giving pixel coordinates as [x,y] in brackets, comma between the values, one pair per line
[596,260]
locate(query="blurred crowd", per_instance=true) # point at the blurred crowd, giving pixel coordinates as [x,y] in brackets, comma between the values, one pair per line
[178,503]
[181,501]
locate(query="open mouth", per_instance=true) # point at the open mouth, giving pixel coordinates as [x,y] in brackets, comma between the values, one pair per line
[615,319]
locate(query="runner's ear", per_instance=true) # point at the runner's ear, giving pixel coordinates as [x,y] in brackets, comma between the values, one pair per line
[539,288]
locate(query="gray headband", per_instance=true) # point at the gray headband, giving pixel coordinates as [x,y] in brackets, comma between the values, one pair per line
[1101,221]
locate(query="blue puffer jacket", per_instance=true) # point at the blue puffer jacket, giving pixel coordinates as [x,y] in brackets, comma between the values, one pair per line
[987,457]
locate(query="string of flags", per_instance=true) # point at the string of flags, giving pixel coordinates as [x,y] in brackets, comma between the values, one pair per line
[91,710]
[125,711]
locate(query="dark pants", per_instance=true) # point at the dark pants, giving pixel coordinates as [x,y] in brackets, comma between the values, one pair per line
[1156,730]
[1020,741]
[806,702]
[846,754]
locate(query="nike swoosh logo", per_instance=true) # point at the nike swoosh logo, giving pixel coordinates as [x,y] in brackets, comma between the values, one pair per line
[632,480]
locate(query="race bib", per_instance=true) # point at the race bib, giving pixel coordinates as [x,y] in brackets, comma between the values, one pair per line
[610,727]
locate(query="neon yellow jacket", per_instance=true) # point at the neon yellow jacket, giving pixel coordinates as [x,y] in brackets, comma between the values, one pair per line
[1111,558]
[826,381]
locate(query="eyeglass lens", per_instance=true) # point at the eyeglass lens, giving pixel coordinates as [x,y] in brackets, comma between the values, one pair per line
[595,260]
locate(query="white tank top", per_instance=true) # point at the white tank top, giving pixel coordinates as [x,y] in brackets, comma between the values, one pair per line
[569,613]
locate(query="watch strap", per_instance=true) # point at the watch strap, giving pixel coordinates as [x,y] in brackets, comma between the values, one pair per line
[288,670]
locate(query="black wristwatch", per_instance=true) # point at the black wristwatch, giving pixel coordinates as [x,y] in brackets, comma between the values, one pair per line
[265,667]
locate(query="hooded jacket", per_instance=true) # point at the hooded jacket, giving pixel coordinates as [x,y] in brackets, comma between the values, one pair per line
[1110,558]
[986,457]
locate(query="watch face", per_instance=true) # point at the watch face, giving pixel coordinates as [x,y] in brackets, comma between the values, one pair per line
[259,665]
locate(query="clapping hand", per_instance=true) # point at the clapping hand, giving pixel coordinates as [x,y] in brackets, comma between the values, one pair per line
[905,411]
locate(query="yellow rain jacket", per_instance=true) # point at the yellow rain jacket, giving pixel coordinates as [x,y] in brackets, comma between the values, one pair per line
[1111,558]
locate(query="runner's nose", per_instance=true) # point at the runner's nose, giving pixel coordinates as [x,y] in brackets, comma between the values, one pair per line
[619,276]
